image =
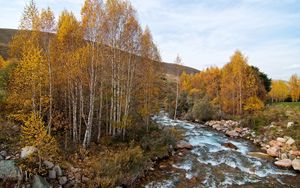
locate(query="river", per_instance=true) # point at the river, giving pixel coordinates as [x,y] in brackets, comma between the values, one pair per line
[209,164]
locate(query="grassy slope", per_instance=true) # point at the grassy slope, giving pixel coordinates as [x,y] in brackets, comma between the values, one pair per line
[7,34]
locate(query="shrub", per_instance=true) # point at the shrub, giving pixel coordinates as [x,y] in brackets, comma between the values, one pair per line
[34,133]
[203,110]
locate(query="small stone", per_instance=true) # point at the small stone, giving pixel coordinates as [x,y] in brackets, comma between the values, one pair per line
[295,153]
[1,158]
[85,179]
[296,164]
[58,170]
[151,169]
[62,180]
[52,174]
[276,143]
[284,156]
[290,141]
[284,163]
[259,155]
[28,150]
[290,124]
[273,151]
[48,164]
[281,140]
[232,133]
[3,153]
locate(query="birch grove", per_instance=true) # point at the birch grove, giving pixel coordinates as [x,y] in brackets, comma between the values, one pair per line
[101,73]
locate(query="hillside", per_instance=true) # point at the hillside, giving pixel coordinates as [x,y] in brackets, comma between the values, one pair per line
[7,34]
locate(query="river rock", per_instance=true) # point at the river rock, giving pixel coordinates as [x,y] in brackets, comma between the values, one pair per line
[284,163]
[52,174]
[296,164]
[27,150]
[1,158]
[279,139]
[184,145]
[290,124]
[259,154]
[290,141]
[3,153]
[62,180]
[273,151]
[232,133]
[9,170]
[58,170]
[48,164]
[275,143]
[40,182]
[230,145]
[295,153]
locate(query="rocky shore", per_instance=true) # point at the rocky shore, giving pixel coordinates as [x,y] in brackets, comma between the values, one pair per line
[283,149]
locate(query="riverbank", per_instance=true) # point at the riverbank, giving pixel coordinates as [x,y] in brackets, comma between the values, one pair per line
[283,149]
[211,163]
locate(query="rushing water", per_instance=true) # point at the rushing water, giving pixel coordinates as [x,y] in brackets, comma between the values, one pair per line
[210,164]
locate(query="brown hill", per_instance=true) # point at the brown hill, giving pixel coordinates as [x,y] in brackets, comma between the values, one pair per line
[7,34]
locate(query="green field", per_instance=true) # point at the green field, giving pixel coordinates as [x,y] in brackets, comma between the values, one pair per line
[287,104]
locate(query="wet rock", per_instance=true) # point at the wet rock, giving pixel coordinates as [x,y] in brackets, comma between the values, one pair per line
[48,164]
[1,158]
[290,124]
[232,133]
[259,154]
[296,164]
[184,145]
[273,151]
[62,180]
[162,166]
[230,145]
[284,163]
[40,182]
[28,150]
[9,170]
[290,141]
[279,139]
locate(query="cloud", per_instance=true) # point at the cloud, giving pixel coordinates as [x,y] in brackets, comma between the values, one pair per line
[207,32]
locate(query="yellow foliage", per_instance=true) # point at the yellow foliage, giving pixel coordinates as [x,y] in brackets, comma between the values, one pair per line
[294,84]
[279,90]
[34,133]
[253,104]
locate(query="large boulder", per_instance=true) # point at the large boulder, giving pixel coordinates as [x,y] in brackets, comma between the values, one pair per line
[296,164]
[274,151]
[40,182]
[286,163]
[27,151]
[184,145]
[9,170]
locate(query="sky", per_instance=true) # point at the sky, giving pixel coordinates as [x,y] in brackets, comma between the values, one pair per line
[207,32]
